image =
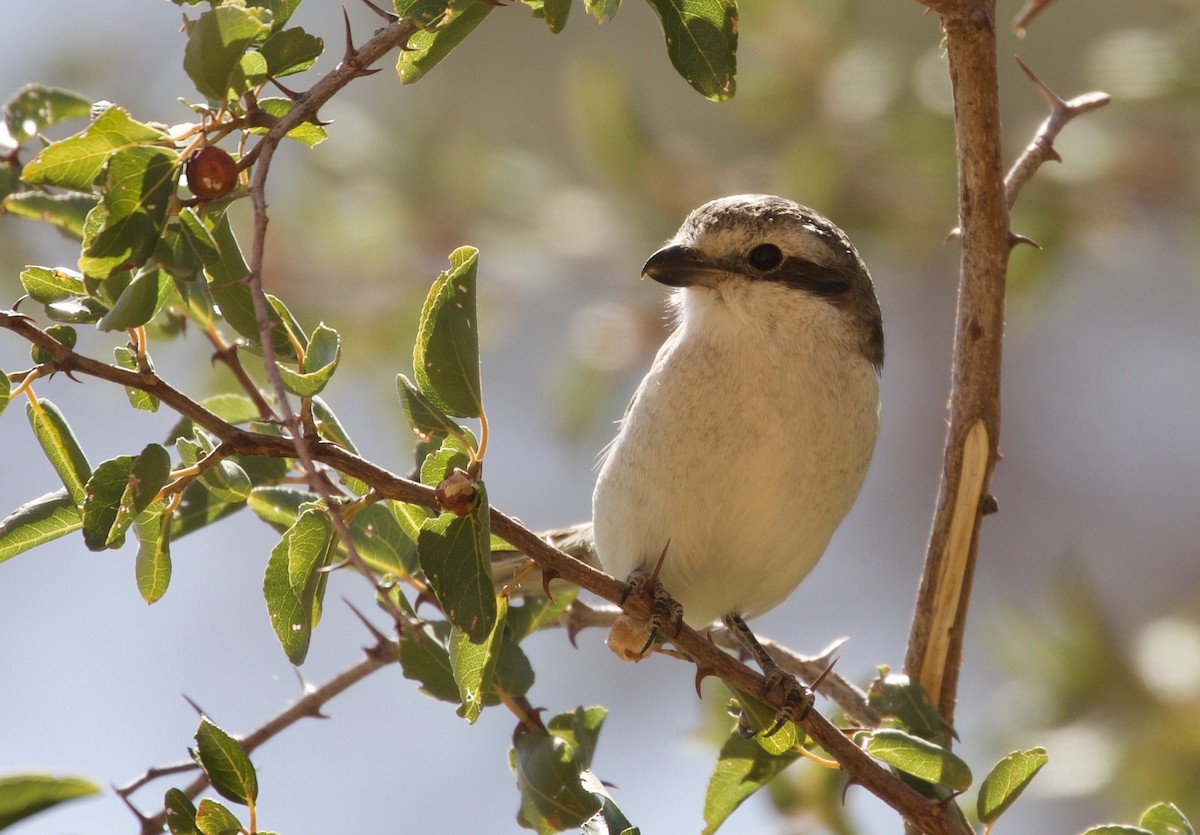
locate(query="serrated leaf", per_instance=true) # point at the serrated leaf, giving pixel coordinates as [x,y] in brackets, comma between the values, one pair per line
[153,564]
[212,818]
[62,449]
[919,758]
[48,285]
[291,51]
[454,553]
[181,814]
[446,355]
[763,718]
[22,795]
[426,13]
[216,44]
[292,580]
[136,193]
[119,489]
[34,523]
[305,133]
[139,302]
[451,455]
[66,212]
[1166,819]
[701,40]
[320,361]
[34,108]
[76,162]
[548,777]
[428,47]
[1005,782]
[742,768]
[473,664]
[226,764]
[428,422]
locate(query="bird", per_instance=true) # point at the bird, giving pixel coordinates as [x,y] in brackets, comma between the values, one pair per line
[749,438]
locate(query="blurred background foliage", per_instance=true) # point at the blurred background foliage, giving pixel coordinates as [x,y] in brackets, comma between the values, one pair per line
[568,158]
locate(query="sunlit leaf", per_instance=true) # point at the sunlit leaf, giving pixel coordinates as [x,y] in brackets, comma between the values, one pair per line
[382,542]
[602,10]
[292,580]
[212,818]
[226,764]
[181,814]
[138,399]
[76,162]
[61,448]
[742,768]
[139,302]
[919,757]
[895,694]
[48,285]
[305,133]
[473,664]
[118,491]
[428,422]
[66,212]
[216,44]
[1166,819]
[44,519]
[22,795]
[548,776]
[1005,782]
[428,47]
[291,51]
[446,355]
[424,12]
[34,108]
[320,361]
[153,565]
[701,40]
[455,555]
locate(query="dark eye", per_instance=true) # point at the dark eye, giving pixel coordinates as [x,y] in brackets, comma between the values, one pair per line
[765,257]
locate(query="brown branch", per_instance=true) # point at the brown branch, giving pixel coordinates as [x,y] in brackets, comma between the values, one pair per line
[710,658]
[383,654]
[1041,148]
[935,643]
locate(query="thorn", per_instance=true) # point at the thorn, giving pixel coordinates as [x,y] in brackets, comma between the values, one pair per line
[1015,240]
[547,577]
[380,638]
[850,781]
[824,674]
[195,706]
[351,51]
[989,505]
[423,597]
[291,94]
[137,813]
[653,580]
[701,674]
[384,13]
[1052,101]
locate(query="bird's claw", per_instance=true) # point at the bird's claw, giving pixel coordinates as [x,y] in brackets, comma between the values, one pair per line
[797,699]
[666,615]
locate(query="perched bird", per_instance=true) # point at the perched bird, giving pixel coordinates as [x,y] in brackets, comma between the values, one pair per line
[748,439]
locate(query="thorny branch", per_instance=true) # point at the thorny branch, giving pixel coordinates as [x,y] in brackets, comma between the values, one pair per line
[708,657]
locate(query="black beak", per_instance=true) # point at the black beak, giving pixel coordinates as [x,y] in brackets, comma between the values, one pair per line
[677,265]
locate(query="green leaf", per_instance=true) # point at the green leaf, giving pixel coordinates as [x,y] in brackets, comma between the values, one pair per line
[292,580]
[279,506]
[228,266]
[426,13]
[305,133]
[47,285]
[216,44]
[181,814]
[66,212]
[455,555]
[1166,819]
[226,764]
[77,311]
[198,508]
[138,399]
[428,47]
[34,523]
[227,481]
[382,542]
[425,659]
[1005,782]
[139,302]
[5,392]
[76,162]
[514,674]
[428,422]
[446,356]
[763,718]
[118,491]
[536,612]
[473,664]
[22,795]
[919,757]
[581,727]
[291,51]
[60,333]
[702,43]
[136,193]
[214,819]
[895,694]
[153,565]
[451,455]
[742,768]
[34,108]
[1116,829]
[320,361]
[602,10]
[61,448]
[554,12]
[281,10]
[548,771]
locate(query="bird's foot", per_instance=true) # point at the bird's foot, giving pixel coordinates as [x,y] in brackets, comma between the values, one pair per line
[797,699]
[666,615]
